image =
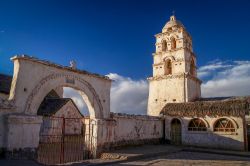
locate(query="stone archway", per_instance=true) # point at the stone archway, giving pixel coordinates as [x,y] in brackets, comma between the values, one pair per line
[67,129]
[54,81]
[32,80]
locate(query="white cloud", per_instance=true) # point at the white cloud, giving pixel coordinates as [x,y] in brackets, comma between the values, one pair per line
[230,79]
[223,78]
[211,67]
[128,95]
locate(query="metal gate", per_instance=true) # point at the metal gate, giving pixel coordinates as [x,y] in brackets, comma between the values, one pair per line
[176,132]
[65,140]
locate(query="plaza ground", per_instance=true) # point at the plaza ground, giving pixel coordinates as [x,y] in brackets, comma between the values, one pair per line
[158,155]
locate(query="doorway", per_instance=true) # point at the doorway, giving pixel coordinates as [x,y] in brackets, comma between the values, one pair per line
[176,132]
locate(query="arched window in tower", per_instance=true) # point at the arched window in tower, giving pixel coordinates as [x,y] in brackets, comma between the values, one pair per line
[168,67]
[192,68]
[164,45]
[173,43]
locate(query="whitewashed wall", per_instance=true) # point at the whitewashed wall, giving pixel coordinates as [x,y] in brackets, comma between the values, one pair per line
[209,138]
[123,129]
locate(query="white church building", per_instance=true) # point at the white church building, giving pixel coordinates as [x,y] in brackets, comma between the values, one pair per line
[175,93]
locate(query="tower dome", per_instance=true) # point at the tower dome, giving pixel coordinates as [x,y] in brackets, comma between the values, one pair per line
[172,23]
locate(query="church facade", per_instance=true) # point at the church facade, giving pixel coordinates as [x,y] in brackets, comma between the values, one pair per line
[175,94]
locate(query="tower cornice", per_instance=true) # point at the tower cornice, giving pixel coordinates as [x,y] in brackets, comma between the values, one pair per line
[169,32]
[174,50]
[174,76]
[171,76]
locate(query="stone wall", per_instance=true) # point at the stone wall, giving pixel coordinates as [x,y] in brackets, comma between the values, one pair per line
[124,130]
[209,138]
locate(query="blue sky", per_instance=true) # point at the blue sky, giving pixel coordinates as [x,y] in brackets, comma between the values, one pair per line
[117,36]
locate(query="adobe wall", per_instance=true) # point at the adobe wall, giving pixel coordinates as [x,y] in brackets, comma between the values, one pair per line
[124,130]
[209,138]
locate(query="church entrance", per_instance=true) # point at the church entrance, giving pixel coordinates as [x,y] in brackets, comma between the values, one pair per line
[176,132]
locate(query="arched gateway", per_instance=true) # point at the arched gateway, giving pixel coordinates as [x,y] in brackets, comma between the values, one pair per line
[34,79]
[57,81]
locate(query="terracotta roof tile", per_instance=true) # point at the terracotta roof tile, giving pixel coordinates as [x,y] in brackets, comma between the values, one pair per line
[233,106]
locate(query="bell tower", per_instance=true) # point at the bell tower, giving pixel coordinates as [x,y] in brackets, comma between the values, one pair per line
[174,69]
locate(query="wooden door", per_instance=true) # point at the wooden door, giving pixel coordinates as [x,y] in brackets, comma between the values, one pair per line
[176,132]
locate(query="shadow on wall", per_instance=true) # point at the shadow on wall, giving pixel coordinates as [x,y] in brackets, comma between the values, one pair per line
[208,138]
[213,140]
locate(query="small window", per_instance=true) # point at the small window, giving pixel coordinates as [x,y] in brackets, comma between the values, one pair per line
[224,125]
[164,45]
[173,43]
[197,125]
[168,67]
